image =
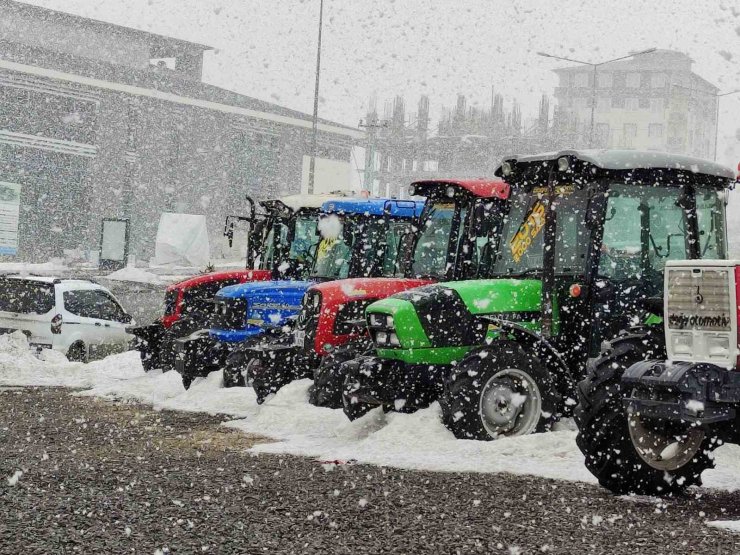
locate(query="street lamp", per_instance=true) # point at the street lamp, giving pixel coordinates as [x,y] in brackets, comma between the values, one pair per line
[315,124]
[716,104]
[593,86]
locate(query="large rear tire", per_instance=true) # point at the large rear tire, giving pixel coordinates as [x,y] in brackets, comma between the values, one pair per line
[604,430]
[499,391]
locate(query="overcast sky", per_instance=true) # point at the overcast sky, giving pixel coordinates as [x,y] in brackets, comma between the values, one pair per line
[266,48]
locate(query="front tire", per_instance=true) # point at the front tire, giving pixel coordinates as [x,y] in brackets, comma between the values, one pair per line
[499,391]
[77,352]
[351,404]
[604,434]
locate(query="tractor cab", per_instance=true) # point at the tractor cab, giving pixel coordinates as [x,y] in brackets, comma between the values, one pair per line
[596,229]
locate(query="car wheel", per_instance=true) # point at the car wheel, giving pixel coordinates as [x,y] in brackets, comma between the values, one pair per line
[77,352]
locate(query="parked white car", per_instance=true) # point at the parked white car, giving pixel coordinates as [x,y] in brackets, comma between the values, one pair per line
[79,318]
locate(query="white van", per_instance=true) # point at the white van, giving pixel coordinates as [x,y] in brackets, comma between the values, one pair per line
[79,318]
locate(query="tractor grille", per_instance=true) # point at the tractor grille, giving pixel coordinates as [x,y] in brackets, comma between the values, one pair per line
[351,317]
[699,299]
[229,314]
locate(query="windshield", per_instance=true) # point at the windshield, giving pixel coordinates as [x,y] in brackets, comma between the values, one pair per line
[432,247]
[301,248]
[645,226]
[333,254]
[522,239]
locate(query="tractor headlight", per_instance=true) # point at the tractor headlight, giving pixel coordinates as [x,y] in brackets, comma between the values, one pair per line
[376,320]
[381,338]
[393,340]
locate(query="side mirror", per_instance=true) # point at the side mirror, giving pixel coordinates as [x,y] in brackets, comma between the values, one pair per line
[126,318]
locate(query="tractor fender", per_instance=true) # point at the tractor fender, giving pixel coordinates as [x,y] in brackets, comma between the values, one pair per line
[534,342]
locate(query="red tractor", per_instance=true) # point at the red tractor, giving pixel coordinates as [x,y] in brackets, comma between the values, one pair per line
[280,239]
[455,238]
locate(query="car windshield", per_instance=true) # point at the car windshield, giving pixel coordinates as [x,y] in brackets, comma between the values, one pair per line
[522,239]
[432,247]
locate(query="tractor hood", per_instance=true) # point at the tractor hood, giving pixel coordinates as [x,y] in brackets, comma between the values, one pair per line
[443,314]
[345,290]
[267,304]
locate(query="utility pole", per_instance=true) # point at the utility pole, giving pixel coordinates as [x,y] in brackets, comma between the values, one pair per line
[593,84]
[372,126]
[315,126]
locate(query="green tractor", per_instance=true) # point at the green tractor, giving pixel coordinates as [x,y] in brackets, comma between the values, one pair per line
[581,257]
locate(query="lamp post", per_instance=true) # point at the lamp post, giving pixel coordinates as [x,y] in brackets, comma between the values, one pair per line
[595,65]
[315,123]
[716,96]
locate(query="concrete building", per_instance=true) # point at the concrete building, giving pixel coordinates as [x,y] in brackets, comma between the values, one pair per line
[653,101]
[99,120]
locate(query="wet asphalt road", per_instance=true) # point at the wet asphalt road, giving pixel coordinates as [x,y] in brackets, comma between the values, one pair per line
[104,477]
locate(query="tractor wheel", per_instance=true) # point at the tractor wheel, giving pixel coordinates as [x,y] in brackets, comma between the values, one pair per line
[352,406]
[77,352]
[149,359]
[668,458]
[267,376]
[328,378]
[232,372]
[499,391]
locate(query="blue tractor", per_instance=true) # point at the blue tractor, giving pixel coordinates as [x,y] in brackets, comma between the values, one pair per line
[355,238]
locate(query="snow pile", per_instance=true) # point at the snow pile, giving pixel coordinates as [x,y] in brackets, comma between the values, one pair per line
[53,267]
[416,441]
[20,366]
[730,525]
[132,273]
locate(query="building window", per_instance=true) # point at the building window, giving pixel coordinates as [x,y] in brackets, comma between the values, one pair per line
[658,81]
[631,104]
[644,103]
[581,80]
[603,104]
[630,130]
[656,105]
[633,80]
[655,130]
[617,102]
[604,80]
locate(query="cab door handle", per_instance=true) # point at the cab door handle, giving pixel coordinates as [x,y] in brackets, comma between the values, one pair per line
[98,324]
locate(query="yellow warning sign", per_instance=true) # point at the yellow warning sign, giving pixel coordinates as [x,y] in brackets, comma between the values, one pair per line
[529,229]
[325,246]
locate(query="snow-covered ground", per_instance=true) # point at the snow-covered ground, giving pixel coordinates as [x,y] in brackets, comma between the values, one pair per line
[412,441]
